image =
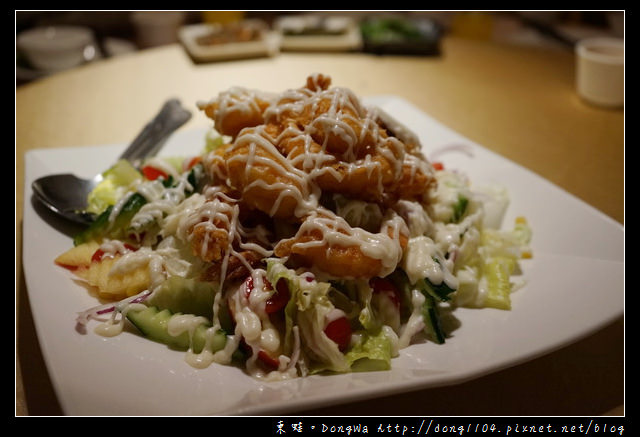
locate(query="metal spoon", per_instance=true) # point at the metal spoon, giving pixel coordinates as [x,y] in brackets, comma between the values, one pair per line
[66,194]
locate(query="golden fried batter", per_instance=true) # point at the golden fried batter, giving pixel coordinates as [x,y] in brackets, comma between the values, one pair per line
[325,243]
[266,179]
[235,109]
[209,243]
[287,150]
[334,260]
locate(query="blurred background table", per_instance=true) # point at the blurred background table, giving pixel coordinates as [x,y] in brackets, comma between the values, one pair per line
[518,101]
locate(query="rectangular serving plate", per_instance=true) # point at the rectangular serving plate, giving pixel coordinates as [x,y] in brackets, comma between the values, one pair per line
[574,286]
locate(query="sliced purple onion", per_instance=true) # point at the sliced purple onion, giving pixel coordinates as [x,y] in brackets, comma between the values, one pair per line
[93,313]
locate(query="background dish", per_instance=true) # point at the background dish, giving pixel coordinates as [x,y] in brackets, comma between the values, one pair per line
[318,33]
[267,43]
[575,286]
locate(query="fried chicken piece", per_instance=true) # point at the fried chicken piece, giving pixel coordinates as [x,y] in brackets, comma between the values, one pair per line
[208,227]
[335,260]
[267,180]
[236,109]
[318,82]
[236,268]
[365,180]
[209,242]
[325,243]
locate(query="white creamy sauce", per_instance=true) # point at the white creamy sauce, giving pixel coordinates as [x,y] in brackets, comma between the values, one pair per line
[110,328]
[416,217]
[200,360]
[181,323]
[250,325]
[392,336]
[115,324]
[254,326]
[423,259]
[442,199]
[161,202]
[224,355]
[112,248]
[384,246]
[270,339]
[415,324]
[117,208]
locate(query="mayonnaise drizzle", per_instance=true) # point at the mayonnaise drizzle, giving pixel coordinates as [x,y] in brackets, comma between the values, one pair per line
[384,245]
[112,248]
[340,119]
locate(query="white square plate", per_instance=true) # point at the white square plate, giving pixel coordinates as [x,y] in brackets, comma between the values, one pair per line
[575,285]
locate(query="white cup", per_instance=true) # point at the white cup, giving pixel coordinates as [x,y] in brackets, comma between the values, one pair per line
[600,71]
[56,48]
[156,28]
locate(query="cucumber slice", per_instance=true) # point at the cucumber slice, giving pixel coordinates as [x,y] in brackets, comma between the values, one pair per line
[102,227]
[459,208]
[153,323]
[439,292]
[431,318]
[184,295]
[191,296]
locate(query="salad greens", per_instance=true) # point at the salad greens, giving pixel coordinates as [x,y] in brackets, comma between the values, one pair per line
[215,289]
[116,182]
[317,324]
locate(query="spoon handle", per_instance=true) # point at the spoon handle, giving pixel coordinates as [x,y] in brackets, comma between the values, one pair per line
[152,137]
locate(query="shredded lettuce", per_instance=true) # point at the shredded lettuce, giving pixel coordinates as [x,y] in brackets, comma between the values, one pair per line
[495,201]
[310,303]
[372,353]
[452,257]
[307,308]
[497,273]
[117,180]
[486,281]
[367,317]
[213,140]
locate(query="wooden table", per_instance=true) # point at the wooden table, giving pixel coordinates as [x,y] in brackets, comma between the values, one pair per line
[519,102]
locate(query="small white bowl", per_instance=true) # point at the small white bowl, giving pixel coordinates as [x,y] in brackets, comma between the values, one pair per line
[56,48]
